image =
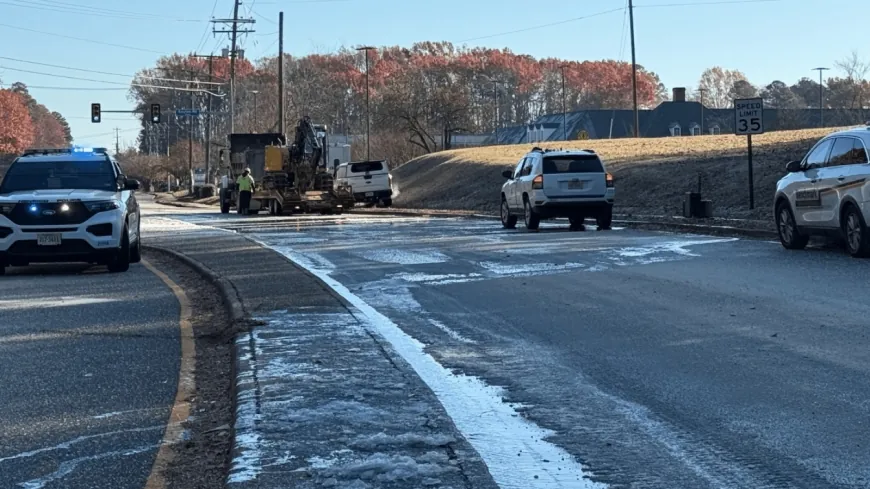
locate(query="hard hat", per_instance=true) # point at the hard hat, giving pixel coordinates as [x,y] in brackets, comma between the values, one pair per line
[248,169]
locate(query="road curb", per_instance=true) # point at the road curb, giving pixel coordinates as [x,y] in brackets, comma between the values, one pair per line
[228,293]
[233,305]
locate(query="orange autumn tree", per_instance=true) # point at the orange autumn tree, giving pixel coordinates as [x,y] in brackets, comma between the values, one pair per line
[16,127]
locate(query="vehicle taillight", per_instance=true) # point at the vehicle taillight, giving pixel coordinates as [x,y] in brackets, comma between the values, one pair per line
[538,182]
[609,179]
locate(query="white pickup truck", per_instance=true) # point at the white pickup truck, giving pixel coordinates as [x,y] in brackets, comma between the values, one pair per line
[370,181]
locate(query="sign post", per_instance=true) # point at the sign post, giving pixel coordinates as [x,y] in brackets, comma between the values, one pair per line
[749,120]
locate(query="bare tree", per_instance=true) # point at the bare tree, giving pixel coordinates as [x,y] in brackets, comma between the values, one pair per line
[856,86]
[717,85]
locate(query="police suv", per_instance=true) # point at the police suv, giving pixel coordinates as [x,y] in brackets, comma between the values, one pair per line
[827,193]
[68,205]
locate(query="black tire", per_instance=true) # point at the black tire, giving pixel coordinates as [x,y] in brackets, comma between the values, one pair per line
[388,202]
[508,220]
[121,261]
[577,223]
[605,219]
[225,203]
[2,269]
[136,250]
[856,233]
[786,228]
[531,219]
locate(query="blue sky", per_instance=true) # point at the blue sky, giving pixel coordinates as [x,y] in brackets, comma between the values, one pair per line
[678,39]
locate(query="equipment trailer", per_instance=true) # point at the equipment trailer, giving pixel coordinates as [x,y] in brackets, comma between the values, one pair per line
[288,178]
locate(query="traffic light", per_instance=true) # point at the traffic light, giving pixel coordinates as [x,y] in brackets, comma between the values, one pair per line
[95,113]
[155,113]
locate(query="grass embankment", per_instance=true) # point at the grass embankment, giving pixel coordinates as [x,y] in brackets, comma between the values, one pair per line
[651,175]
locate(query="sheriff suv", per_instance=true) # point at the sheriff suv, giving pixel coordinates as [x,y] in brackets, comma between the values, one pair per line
[827,193]
[68,205]
[548,184]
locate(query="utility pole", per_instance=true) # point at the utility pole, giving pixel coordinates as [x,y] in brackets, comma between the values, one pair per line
[633,71]
[256,114]
[234,33]
[190,137]
[564,108]
[821,96]
[368,115]
[210,59]
[281,72]
[117,141]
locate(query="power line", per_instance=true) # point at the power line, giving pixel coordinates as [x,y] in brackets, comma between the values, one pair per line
[45,33]
[703,4]
[95,89]
[141,85]
[541,26]
[204,37]
[108,133]
[83,10]
[258,14]
[102,72]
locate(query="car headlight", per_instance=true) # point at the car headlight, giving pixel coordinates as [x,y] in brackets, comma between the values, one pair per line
[102,206]
[6,209]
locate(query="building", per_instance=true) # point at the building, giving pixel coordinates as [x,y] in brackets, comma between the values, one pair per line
[676,118]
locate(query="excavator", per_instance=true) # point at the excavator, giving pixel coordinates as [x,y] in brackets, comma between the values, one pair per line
[289,178]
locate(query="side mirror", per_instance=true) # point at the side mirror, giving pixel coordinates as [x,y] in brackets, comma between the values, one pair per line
[131,184]
[793,166]
[507,174]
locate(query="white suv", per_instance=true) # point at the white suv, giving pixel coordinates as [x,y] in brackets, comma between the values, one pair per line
[548,184]
[827,193]
[68,205]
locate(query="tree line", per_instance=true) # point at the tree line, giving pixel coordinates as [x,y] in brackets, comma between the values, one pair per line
[718,87]
[25,123]
[416,94]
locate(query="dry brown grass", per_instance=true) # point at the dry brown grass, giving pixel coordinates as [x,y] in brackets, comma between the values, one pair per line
[652,175]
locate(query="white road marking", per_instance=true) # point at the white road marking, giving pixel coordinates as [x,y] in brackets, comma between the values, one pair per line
[512,447]
[69,466]
[453,334]
[67,444]
[63,301]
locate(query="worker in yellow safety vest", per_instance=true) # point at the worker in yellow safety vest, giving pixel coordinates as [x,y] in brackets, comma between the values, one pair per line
[246,188]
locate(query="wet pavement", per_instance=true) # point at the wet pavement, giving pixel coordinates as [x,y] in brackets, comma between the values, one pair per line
[89,363]
[651,359]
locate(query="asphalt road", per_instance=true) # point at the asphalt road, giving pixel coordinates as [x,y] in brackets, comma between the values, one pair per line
[659,360]
[89,364]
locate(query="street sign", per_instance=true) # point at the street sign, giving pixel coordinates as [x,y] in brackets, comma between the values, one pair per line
[186,112]
[749,120]
[748,116]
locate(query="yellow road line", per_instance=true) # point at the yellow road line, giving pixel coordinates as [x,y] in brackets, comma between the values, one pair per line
[186,383]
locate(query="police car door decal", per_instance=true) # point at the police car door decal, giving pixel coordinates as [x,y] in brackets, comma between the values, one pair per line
[807,198]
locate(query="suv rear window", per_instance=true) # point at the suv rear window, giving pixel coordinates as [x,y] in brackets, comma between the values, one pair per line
[46,175]
[368,166]
[573,164]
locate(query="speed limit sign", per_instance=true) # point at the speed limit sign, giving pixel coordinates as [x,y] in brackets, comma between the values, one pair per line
[749,120]
[749,116]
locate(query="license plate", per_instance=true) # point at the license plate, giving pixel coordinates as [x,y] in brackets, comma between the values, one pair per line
[52,239]
[576,184]
[370,194]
